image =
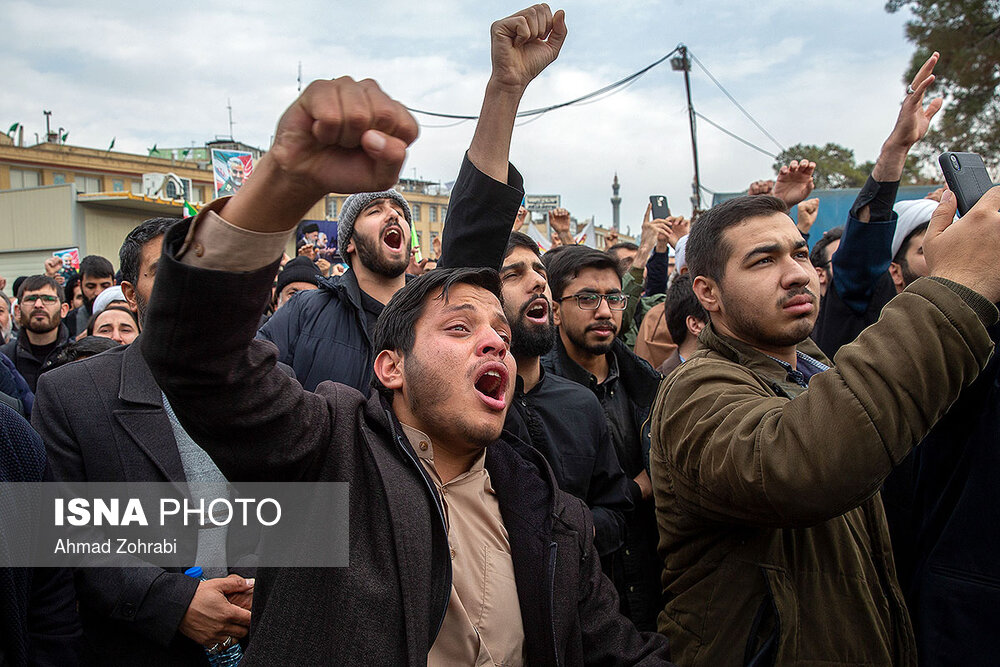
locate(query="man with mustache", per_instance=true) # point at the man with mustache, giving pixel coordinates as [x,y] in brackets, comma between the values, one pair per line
[40,310]
[327,333]
[766,462]
[587,291]
[556,416]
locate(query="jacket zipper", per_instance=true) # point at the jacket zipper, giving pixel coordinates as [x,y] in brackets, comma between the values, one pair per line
[437,504]
[553,550]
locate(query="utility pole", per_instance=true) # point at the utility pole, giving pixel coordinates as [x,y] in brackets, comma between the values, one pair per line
[682,62]
[229,106]
[300,76]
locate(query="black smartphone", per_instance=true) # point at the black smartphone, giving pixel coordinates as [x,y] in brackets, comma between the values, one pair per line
[661,210]
[966,176]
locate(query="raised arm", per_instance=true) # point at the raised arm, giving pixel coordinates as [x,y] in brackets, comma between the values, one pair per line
[488,192]
[865,249]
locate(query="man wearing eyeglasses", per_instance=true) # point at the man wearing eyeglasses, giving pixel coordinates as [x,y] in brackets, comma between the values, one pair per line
[41,307]
[587,307]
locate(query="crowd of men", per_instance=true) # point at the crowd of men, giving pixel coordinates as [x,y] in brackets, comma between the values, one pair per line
[716,446]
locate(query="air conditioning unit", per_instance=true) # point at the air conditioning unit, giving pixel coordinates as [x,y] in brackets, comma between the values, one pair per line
[166,186]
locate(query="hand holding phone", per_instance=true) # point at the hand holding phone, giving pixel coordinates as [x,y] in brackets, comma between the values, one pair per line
[661,210]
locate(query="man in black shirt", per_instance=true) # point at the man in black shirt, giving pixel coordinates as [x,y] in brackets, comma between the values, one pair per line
[558,417]
[586,289]
[41,307]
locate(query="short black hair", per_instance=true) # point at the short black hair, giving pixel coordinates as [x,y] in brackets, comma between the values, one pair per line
[521,240]
[396,326]
[679,304]
[93,318]
[624,245]
[900,257]
[96,266]
[131,250]
[818,256]
[87,346]
[33,283]
[567,264]
[707,249]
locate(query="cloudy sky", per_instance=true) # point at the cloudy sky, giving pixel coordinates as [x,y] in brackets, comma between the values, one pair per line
[809,72]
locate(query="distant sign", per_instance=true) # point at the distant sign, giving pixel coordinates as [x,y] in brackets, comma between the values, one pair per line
[542,203]
[70,258]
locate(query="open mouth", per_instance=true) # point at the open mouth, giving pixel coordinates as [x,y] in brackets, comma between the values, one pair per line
[491,385]
[393,238]
[538,311]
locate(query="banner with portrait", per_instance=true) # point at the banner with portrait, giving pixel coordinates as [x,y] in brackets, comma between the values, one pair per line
[231,169]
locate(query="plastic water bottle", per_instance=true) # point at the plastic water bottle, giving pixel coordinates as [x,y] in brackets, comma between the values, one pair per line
[229,657]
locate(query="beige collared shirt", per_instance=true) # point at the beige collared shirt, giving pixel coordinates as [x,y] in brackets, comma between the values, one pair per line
[483,623]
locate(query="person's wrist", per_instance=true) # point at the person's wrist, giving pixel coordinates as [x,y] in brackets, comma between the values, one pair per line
[505,88]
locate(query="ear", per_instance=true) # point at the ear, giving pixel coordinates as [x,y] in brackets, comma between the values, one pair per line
[17,312]
[694,325]
[821,272]
[389,369]
[707,291]
[896,271]
[128,291]
[63,309]
[556,312]
[350,247]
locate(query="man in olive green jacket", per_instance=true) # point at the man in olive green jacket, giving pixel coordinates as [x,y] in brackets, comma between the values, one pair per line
[772,531]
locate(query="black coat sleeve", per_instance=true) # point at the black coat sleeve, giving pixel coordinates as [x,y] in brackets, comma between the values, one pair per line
[608,496]
[480,216]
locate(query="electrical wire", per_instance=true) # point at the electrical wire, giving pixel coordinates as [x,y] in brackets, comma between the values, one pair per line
[734,136]
[542,110]
[733,100]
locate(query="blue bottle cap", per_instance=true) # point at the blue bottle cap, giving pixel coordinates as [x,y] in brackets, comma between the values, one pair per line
[194,572]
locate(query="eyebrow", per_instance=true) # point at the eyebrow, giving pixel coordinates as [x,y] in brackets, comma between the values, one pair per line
[771,248]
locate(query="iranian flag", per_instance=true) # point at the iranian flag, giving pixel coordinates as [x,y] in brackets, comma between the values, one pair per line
[189,210]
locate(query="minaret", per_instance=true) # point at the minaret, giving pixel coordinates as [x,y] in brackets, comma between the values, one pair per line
[616,202]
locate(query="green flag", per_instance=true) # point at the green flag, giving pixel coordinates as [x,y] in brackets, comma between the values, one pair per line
[64,137]
[415,244]
[112,143]
[153,149]
[189,210]
[13,128]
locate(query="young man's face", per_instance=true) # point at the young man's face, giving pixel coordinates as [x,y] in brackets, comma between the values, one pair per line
[458,380]
[589,332]
[914,264]
[825,273]
[40,311]
[93,285]
[381,239]
[5,321]
[527,303]
[138,295]
[117,325]
[76,298]
[769,294]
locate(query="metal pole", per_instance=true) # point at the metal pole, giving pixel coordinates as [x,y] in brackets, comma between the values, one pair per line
[694,141]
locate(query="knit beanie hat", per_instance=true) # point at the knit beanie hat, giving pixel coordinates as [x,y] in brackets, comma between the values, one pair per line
[298,270]
[353,205]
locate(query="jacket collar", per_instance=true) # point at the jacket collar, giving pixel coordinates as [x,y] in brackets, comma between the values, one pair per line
[639,379]
[764,366]
[137,384]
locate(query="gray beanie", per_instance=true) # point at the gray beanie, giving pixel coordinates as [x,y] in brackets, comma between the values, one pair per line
[353,205]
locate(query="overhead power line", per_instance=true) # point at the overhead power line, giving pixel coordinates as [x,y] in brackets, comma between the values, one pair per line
[735,136]
[738,105]
[537,112]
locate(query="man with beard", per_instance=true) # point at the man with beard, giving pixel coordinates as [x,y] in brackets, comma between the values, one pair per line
[326,334]
[40,310]
[104,419]
[237,172]
[766,462]
[559,418]
[587,292]
[96,275]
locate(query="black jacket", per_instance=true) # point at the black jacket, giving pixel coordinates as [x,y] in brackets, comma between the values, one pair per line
[564,422]
[102,420]
[323,334]
[386,608]
[39,625]
[637,567]
[943,509]
[27,364]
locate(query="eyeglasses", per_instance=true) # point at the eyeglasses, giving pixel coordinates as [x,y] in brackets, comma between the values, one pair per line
[47,299]
[592,300]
